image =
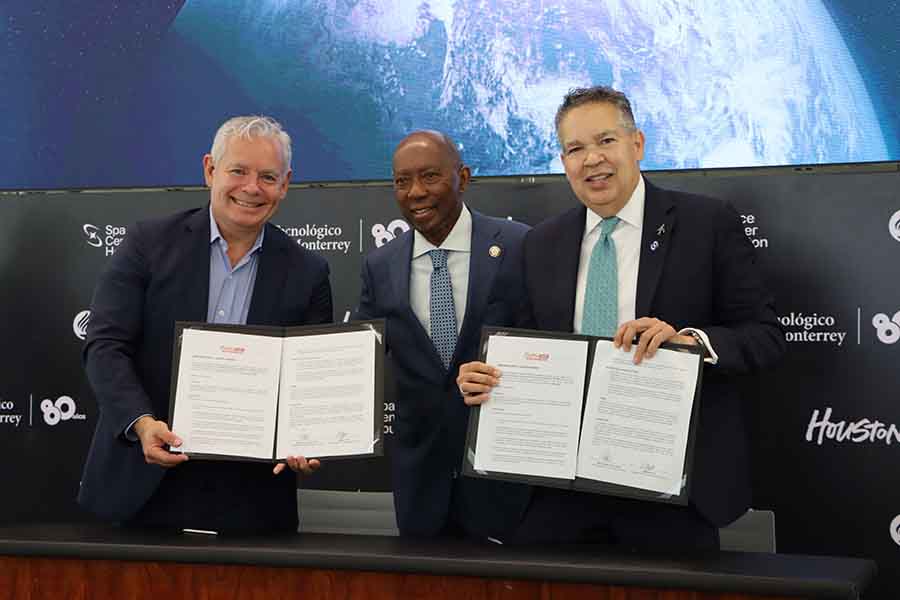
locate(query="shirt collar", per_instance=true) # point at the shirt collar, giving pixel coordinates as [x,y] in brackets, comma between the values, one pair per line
[215,234]
[458,240]
[632,213]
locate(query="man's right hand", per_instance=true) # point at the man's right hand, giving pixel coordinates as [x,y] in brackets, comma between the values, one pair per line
[155,436]
[476,380]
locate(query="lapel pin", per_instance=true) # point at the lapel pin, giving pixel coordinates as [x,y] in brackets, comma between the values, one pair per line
[654,246]
[661,230]
[494,251]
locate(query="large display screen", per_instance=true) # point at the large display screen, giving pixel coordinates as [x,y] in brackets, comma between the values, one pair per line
[129,94]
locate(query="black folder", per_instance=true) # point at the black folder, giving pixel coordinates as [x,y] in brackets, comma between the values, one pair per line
[583,483]
[376,326]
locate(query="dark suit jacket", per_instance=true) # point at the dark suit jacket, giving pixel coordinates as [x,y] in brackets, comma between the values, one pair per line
[702,274]
[158,276]
[431,418]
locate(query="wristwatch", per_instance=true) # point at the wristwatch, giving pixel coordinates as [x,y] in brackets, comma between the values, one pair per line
[699,339]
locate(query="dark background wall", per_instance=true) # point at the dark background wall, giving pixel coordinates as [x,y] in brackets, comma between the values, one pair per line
[825,240]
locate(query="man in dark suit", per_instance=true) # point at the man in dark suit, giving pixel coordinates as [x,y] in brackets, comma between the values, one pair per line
[681,270]
[437,285]
[223,263]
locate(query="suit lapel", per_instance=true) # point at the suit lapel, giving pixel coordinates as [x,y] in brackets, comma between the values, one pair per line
[400,261]
[197,286]
[270,277]
[483,267]
[560,268]
[401,267]
[656,235]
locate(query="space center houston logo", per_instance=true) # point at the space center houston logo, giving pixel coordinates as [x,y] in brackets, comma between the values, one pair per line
[106,237]
[320,238]
[812,328]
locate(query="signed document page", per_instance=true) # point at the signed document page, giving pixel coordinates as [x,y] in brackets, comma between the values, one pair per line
[637,418]
[224,402]
[327,387]
[530,425]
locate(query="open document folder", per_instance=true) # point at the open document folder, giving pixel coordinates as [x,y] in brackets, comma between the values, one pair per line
[250,392]
[573,411]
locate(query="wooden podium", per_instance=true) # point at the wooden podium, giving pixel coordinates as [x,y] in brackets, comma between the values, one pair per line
[96,563]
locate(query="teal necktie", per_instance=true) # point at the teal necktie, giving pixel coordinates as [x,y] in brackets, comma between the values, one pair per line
[600,313]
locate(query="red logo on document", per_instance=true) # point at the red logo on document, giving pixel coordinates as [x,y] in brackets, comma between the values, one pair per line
[539,356]
[232,349]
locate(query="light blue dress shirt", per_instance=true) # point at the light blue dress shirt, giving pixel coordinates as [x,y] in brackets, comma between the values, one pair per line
[230,289]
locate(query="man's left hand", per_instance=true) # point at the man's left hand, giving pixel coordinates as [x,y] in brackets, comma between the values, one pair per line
[653,332]
[298,464]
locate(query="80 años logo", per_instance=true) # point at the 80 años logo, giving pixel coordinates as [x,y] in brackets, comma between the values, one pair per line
[383,234]
[887,329]
[63,409]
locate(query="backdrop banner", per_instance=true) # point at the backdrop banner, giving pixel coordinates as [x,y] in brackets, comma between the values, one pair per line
[824,423]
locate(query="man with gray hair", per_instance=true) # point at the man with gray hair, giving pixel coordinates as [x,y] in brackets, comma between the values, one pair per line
[223,263]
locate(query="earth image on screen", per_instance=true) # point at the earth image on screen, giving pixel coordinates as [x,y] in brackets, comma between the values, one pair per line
[722,83]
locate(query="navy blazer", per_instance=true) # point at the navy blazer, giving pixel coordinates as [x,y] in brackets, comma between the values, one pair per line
[158,276]
[431,418]
[702,272]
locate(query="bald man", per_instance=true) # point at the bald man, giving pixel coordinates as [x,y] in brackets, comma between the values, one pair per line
[436,285]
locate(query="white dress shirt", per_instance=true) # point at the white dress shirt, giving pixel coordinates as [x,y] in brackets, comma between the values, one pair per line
[627,238]
[458,243]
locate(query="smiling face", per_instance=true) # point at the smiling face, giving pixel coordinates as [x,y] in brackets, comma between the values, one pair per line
[429,181]
[600,156]
[246,185]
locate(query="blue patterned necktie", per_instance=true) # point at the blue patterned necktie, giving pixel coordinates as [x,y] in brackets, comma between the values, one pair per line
[600,314]
[443,312]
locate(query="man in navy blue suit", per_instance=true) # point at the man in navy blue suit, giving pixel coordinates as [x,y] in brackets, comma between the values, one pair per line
[223,263]
[682,271]
[436,285]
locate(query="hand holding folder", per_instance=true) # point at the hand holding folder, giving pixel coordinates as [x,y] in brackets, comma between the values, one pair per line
[575,411]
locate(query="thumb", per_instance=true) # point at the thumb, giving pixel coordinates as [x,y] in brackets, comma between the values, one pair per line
[169,437]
